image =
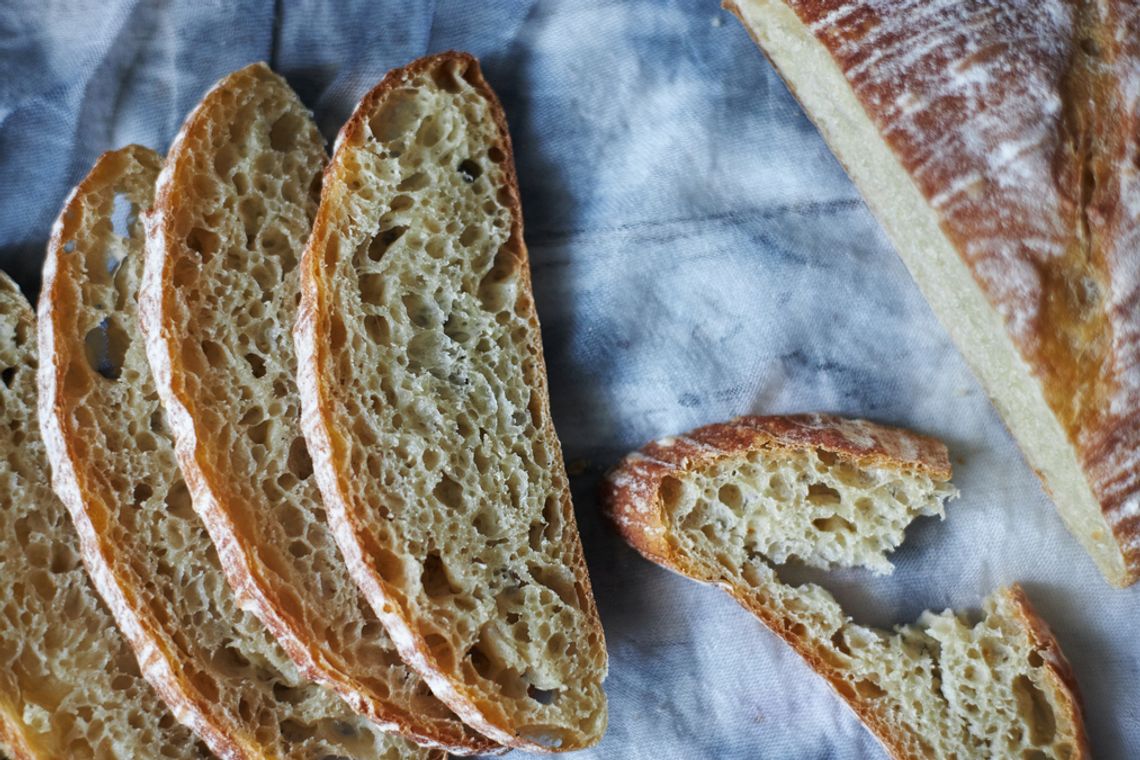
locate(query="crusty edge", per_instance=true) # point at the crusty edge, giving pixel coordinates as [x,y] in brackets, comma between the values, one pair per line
[630,495]
[244,572]
[1058,672]
[327,448]
[1065,481]
[69,482]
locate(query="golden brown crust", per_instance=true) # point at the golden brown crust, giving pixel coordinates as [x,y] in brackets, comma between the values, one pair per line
[218,503]
[1063,682]
[1029,175]
[315,340]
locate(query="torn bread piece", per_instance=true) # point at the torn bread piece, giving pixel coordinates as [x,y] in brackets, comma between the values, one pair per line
[148,553]
[425,409]
[233,209]
[996,144]
[69,683]
[728,503]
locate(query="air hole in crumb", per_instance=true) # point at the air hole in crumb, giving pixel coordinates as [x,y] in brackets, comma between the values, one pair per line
[471,235]
[829,458]
[399,112]
[299,462]
[401,203]
[106,348]
[203,242]
[730,495]
[337,334]
[435,578]
[256,364]
[8,375]
[259,433]
[378,330]
[178,502]
[123,215]
[822,495]
[142,492]
[833,524]
[449,493]
[214,353]
[1035,659]
[496,154]
[445,79]
[1034,708]
[542,696]
[285,131]
[372,289]
[413,182]
[470,170]
[383,241]
[559,580]
[671,490]
[869,689]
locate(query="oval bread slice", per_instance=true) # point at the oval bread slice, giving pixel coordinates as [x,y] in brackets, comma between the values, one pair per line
[426,412]
[728,504]
[232,212]
[114,467]
[69,683]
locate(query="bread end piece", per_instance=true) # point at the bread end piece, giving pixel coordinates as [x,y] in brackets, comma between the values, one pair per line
[1105,525]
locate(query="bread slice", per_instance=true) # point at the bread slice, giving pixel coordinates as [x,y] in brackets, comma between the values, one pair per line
[997,150]
[728,503]
[425,408]
[69,683]
[233,209]
[114,467]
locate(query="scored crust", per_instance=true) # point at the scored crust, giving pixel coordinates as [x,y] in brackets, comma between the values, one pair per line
[310,605]
[148,556]
[320,332]
[1000,162]
[633,499]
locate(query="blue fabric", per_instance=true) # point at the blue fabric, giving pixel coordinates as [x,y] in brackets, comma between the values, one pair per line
[697,254]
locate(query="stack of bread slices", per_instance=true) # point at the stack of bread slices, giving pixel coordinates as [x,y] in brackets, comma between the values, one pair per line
[296,408]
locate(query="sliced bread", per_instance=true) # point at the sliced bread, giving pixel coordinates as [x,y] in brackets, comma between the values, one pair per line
[69,683]
[149,555]
[232,212]
[425,408]
[996,143]
[727,504]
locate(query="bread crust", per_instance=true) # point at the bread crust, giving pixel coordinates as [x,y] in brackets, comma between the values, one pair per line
[245,572]
[1045,230]
[328,448]
[630,495]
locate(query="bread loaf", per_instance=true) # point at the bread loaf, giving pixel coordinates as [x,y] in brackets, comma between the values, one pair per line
[996,144]
[425,408]
[69,683]
[219,296]
[148,553]
[729,504]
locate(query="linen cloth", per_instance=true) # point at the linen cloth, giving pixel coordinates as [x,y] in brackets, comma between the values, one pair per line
[697,254]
